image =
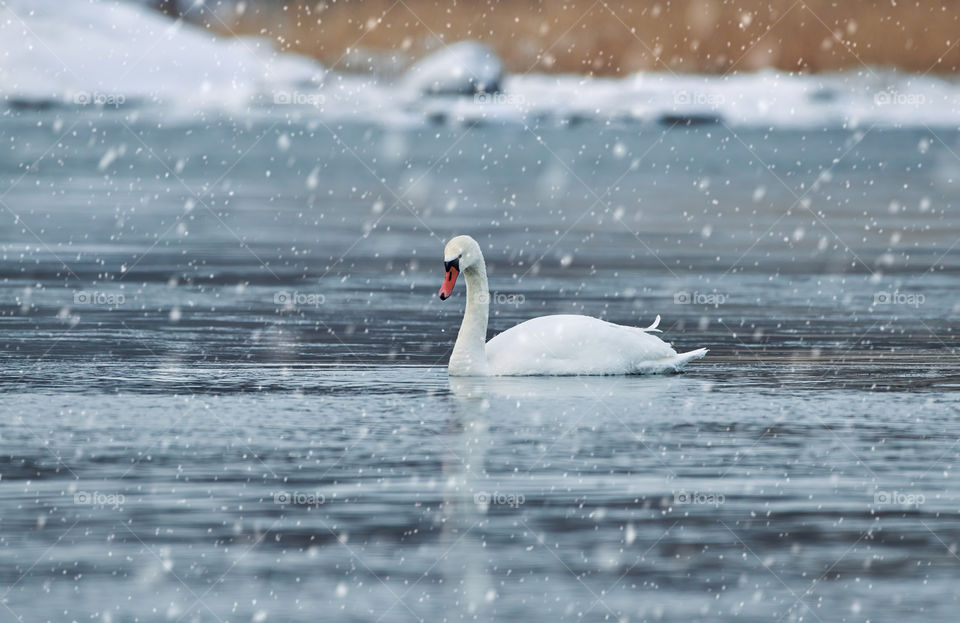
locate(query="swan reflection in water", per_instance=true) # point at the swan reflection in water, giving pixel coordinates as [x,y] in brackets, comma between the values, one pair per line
[501,431]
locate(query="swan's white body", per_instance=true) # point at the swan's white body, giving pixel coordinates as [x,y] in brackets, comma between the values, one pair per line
[548,345]
[568,345]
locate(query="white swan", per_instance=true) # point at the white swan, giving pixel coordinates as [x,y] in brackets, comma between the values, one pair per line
[549,345]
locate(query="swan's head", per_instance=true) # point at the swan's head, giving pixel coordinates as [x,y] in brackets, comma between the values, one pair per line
[460,254]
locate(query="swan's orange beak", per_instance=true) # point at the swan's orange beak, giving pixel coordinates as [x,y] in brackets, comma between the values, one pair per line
[448,282]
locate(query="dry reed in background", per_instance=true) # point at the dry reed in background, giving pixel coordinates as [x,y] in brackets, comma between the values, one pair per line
[615,37]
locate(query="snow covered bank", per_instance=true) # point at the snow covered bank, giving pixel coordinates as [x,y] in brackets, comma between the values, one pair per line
[765,99]
[117,54]
[464,68]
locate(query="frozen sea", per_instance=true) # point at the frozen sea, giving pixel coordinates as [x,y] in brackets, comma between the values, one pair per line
[224,391]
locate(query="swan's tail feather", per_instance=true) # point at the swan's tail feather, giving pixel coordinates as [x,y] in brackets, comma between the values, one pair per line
[671,364]
[684,358]
[653,328]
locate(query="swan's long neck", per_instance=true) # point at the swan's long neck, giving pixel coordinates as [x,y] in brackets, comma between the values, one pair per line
[469,356]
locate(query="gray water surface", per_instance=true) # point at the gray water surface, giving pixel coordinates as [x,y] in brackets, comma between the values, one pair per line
[225,395]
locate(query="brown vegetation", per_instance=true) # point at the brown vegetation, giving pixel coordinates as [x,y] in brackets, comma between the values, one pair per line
[616,37]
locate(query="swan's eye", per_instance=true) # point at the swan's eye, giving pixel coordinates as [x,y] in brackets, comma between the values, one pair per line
[452,263]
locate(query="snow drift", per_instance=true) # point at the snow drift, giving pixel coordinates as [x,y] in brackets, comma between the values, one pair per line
[464,68]
[116,53]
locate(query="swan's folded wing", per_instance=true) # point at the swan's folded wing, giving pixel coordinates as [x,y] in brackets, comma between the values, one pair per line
[568,344]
